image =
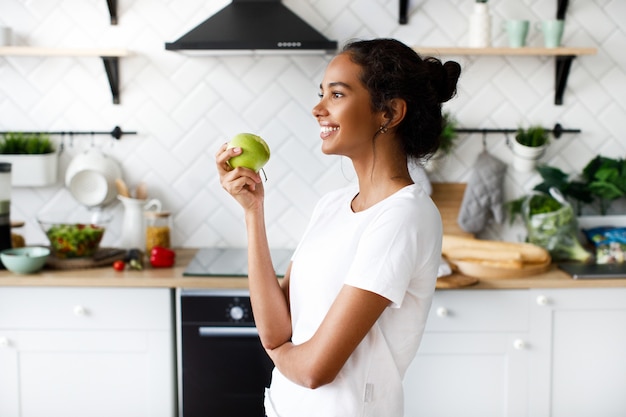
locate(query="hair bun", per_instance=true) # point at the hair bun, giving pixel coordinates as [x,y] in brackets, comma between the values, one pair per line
[444,77]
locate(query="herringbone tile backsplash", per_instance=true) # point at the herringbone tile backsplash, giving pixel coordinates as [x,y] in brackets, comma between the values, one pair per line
[184,107]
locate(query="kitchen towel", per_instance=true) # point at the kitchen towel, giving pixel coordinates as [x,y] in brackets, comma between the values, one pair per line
[483,197]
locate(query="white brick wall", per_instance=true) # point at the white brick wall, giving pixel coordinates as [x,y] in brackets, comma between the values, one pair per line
[185,107]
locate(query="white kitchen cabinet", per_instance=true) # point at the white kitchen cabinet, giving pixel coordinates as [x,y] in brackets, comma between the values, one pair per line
[534,353]
[78,351]
[473,358]
[578,366]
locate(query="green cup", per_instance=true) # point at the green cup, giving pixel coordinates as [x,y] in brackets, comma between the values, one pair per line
[517,31]
[552,32]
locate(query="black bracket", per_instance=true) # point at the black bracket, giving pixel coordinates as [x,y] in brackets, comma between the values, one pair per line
[561,9]
[404,6]
[113,11]
[563,65]
[112,68]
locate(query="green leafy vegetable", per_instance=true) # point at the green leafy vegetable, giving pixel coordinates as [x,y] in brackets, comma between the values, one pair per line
[552,225]
[606,180]
[74,240]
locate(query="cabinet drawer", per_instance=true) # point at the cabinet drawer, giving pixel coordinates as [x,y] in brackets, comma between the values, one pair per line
[479,310]
[85,308]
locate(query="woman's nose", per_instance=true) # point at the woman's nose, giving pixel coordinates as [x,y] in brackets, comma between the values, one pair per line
[319,110]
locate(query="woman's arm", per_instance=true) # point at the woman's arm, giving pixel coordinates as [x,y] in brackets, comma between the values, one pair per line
[269,300]
[318,361]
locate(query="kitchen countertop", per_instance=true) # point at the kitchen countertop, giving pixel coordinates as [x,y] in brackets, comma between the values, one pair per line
[173,278]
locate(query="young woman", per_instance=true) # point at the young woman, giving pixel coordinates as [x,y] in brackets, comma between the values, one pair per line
[347,319]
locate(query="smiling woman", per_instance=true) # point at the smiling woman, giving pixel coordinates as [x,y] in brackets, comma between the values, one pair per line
[344,323]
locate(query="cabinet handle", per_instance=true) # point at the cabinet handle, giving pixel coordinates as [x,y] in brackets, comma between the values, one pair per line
[442,312]
[4,342]
[542,300]
[80,311]
[519,344]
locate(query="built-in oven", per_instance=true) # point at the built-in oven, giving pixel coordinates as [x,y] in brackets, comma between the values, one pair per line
[222,368]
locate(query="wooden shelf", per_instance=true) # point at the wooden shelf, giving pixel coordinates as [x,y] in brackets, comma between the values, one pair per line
[76,52]
[110,59]
[500,51]
[563,56]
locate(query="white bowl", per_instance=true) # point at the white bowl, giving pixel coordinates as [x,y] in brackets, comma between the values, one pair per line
[91,176]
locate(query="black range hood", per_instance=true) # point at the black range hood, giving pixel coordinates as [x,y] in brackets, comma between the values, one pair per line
[265,25]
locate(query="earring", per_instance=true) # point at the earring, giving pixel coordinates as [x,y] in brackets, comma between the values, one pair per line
[382,129]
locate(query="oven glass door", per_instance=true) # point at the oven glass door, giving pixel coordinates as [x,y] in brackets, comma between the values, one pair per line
[225,372]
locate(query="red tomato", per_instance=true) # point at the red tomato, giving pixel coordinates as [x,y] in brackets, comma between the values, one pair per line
[119,265]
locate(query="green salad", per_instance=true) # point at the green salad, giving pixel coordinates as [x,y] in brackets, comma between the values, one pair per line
[74,240]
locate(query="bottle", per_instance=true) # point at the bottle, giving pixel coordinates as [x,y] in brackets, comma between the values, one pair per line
[158,226]
[480,26]
[5,207]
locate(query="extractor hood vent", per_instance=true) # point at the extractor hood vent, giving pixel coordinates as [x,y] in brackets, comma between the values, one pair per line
[264,25]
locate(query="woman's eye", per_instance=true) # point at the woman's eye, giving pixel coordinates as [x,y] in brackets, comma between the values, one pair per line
[320,95]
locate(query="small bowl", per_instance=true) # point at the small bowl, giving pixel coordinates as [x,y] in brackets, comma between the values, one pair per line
[72,235]
[26,260]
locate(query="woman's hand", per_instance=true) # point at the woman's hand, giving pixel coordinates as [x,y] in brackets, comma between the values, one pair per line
[242,183]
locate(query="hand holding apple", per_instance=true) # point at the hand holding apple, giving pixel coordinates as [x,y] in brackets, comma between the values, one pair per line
[255,152]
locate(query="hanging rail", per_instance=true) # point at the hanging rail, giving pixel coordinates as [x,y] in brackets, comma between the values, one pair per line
[116,133]
[556,131]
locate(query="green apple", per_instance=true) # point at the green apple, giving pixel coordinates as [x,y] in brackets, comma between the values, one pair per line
[255,152]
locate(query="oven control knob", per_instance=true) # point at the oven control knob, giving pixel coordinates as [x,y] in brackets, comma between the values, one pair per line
[236,312]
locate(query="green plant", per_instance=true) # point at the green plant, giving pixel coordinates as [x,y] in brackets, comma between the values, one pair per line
[448,133]
[602,181]
[533,136]
[606,180]
[20,143]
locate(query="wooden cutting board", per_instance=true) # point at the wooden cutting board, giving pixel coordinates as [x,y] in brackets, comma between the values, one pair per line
[455,281]
[103,257]
[474,269]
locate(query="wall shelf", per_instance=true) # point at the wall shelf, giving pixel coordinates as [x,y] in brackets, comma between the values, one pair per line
[563,56]
[110,59]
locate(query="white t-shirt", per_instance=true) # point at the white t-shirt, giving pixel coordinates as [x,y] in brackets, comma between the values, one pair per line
[393,249]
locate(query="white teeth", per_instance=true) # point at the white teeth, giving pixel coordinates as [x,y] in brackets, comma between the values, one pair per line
[327,129]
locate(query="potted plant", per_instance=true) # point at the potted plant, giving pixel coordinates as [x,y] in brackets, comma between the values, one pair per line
[528,146]
[447,140]
[32,156]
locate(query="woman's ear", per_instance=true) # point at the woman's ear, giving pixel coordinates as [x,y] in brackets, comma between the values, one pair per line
[396,110]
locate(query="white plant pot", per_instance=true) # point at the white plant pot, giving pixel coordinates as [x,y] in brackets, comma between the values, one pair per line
[525,157]
[33,170]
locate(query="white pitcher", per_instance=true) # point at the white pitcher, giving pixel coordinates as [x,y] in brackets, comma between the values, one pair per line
[133,233]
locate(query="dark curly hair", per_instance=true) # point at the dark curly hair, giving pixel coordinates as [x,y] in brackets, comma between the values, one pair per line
[390,69]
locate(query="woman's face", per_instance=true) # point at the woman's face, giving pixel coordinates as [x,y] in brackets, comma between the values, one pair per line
[344,113]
